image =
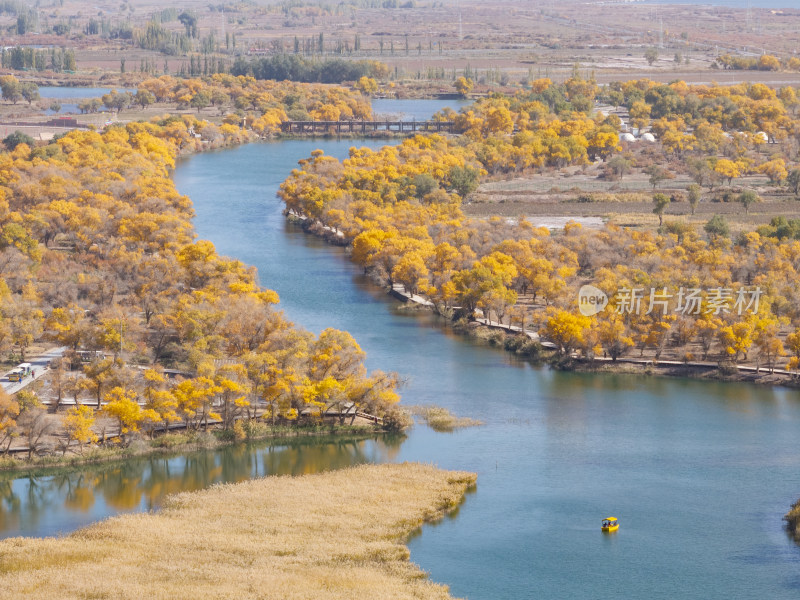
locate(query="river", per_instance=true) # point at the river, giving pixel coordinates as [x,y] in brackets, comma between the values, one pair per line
[699,473]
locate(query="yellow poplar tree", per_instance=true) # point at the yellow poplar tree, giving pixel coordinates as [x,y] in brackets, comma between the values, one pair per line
[78,425]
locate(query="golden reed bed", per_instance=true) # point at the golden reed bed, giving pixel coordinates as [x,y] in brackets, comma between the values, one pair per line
[331,535]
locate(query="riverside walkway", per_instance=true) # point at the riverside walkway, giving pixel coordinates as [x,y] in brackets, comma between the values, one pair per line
[399,292]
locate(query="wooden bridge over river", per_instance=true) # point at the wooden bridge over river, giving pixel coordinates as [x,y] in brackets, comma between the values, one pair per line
[366,126]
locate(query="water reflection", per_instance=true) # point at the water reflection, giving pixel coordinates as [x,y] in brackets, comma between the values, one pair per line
[43,504]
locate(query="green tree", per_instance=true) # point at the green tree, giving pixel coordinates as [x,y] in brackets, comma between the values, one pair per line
[117,101]
[13,140]
[424,184]
[144,98]
[617,167]
[12,89]
[793,180]
[30,91]
[717,226]
[464,180]
[660,203]
[747,198]
[657,175]
[189,21]
[694,192]
[201,100]
[651,55]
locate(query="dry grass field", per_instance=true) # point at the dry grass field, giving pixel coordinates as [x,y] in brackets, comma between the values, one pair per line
[627,202]
[333,535]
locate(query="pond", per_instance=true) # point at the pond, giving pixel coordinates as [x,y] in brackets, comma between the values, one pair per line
[69,97]
[70,93]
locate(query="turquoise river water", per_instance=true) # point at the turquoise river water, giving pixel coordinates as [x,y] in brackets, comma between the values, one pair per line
[698,473]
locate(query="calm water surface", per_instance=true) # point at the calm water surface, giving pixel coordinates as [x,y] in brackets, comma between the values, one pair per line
[53,91]
[698,473]
[416,110]
[45,505]
[74,94]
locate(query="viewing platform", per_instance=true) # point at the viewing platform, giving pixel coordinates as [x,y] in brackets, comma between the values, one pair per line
[365,126]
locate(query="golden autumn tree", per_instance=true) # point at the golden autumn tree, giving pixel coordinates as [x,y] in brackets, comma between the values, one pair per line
[121,404]
[9,411]
[565,329]
[78,424]
[464,86]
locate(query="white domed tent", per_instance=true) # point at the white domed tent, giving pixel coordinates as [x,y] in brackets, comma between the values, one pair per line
[648,137]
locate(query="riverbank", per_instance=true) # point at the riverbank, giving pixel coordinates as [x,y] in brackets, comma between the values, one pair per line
[528,344]
[339,534]
[180,443]
[543,352]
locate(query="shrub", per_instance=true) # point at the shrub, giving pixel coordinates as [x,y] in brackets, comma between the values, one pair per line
[497,338]
[523,346]
[717,226]
[171,440]
[513,343]
[531,349]
[397,419]
[255,429]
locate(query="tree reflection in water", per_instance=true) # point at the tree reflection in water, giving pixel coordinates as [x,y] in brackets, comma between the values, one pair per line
[48,503]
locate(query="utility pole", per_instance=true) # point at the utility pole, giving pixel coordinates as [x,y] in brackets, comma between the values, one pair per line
[748,16]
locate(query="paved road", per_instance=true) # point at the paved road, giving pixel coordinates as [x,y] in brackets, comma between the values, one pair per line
[38,365]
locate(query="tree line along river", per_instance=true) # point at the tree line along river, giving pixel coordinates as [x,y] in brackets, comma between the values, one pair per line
[698,473]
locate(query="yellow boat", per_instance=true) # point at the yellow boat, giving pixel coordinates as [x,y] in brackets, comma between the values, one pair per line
[610,524]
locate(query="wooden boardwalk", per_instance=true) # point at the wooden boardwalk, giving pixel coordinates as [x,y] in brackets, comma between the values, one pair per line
[366,126]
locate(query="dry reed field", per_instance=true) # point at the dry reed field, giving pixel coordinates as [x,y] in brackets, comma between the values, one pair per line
[442,420]
[332,535]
